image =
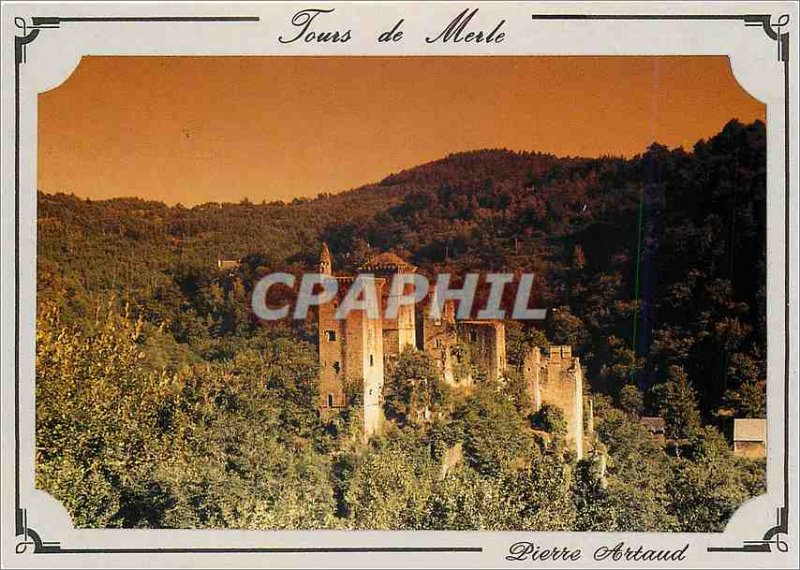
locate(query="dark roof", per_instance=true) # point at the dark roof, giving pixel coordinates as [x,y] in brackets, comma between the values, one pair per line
[388,261]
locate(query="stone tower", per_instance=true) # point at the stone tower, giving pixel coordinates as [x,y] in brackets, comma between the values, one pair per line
[440,339]
[325,262]
[350,351]
[451,343]
[557,379]
[486,343]
[398,333]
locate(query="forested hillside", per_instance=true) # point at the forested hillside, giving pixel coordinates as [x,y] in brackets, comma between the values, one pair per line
[653,269]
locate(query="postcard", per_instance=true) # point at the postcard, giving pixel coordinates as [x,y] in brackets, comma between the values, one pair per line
[400,284]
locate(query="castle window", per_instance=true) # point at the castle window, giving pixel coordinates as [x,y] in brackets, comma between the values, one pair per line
[473,335]
[438,343]
[337,367]
[330,400]
[371,360]
[330,336]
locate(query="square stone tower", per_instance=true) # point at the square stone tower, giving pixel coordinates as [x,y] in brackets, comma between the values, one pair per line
[440,339]
[557,379]
[398,333]
[486,343]
[451,343]
[350,350]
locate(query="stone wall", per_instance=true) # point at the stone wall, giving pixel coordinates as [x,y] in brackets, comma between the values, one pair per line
[372,373]
[351,349]
[486,343]
[557,379]
[440,340]
[751,449]
[332,360]
[400,333]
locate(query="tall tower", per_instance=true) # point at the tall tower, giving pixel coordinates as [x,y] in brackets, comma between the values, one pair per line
[486,343]
[350,350]
[325,263]
[557,379]
[399,333]
[440,339]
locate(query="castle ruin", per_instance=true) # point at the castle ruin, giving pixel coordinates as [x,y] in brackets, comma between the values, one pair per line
[440,341]
[556,378]
[355,349]
[466,347]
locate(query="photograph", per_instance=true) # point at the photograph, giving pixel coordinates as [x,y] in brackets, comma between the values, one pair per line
[403,293]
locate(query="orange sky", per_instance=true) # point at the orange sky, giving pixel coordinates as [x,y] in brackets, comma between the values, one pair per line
[194,130]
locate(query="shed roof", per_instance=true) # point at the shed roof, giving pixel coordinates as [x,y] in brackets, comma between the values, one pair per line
[653,423]
[750,429]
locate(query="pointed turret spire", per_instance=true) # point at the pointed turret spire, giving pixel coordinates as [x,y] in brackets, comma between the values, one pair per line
[325,263]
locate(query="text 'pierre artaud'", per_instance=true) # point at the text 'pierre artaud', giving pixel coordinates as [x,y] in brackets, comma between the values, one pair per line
[531,552]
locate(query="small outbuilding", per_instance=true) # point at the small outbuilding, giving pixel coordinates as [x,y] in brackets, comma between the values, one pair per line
[656,426]
[750,437]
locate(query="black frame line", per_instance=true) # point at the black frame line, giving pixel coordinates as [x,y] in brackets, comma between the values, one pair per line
[31,538]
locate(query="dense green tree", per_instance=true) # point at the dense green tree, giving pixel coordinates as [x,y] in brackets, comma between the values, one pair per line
[631,400]
[749,400]
[413,387]
[496,437]
[515,386]
[565,328]
[391,483]
[709,486]
[622,365]
[551,418]
[636,495]
[541,496]
[520,339]
[466,500]
[97,406]
[677,403]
